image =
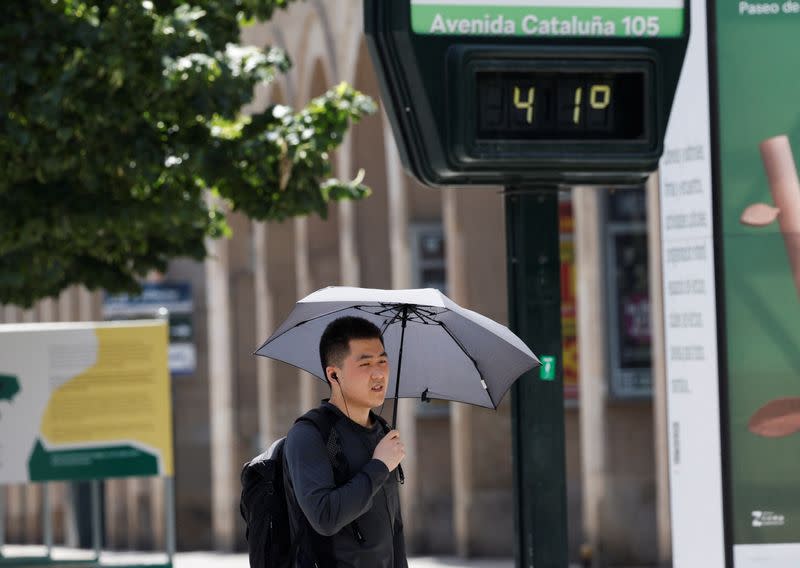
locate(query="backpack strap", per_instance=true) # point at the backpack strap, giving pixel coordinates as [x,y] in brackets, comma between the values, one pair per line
[324,419]
[386,429]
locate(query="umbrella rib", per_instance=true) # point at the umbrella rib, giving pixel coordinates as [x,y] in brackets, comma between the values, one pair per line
[384,309]
[474,362]
[396,317]
[424,316]
[418,314]
[428,312]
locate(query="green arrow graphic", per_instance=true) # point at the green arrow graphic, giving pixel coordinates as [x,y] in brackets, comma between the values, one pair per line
[9,387]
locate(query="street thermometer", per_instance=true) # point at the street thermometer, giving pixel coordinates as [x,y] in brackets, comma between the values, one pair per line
[520,91]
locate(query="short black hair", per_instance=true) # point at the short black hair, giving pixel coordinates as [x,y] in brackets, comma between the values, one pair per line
[334,345]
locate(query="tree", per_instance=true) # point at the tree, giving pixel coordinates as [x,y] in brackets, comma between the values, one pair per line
[120,116]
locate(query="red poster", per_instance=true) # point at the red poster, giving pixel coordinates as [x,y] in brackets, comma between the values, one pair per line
[568,301]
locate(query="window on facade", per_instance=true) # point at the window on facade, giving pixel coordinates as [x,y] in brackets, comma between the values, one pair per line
[428,264]
[629,330]
[429,270]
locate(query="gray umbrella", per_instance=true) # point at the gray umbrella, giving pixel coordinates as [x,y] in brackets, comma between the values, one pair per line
[443,351]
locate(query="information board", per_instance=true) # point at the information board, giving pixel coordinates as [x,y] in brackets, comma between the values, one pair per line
[83,401]
[690,312]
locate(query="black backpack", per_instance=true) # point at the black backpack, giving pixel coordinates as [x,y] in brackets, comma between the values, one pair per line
[263,501]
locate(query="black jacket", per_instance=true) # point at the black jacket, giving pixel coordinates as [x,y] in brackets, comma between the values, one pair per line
[370,496]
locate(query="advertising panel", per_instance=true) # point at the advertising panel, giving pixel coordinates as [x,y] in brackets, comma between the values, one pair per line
[759,208]
[83,401]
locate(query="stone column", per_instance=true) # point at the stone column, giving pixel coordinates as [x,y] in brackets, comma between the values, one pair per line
[349,265]
[308,391]
[660,422]
[480,438]
[401,279]
[592,361]
[47,310]
[85,305]
[224,482]
[282,278]
[67,305]
[265,325]
[157,526]
[133,518]
[461,447]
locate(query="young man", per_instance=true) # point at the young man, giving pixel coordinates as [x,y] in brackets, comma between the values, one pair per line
[356,522]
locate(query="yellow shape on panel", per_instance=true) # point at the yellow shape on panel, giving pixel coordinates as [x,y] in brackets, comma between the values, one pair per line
[124,398]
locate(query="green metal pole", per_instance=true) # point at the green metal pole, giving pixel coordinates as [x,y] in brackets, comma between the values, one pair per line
[534,286]
[2,518]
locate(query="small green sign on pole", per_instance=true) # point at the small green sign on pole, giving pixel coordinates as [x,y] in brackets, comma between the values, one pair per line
[547,372]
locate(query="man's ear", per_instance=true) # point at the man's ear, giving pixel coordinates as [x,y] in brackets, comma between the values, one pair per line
[331,374]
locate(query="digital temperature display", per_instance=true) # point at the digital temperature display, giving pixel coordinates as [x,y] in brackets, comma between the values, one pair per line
[552,105]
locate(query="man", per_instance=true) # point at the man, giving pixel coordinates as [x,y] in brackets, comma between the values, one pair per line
[356,523]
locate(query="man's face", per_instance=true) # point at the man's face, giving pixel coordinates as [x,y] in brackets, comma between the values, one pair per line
[365,373]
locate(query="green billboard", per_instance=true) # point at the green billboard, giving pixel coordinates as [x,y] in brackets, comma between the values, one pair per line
[758,203]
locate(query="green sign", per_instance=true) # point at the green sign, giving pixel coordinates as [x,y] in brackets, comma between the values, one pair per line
[547,372]
[549,18]
[759,196]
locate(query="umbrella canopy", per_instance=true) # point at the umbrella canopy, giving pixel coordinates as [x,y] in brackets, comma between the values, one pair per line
[437,348]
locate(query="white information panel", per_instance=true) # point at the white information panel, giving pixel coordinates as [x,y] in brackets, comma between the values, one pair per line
[690,316]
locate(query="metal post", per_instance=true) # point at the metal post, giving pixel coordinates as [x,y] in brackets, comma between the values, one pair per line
[169,507]
[538,397]
[2,518]
[47,516]
[97,534]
